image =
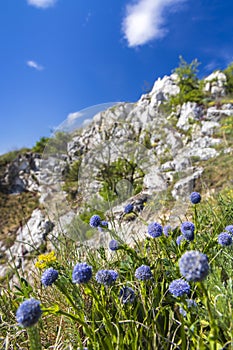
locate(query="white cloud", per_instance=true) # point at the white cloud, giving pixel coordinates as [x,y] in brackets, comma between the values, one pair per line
[211,66]
[86,122]
[145,20]
[42,3]
[34,65]
[72,117]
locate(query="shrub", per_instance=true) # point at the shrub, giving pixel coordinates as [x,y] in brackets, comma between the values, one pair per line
[188,82]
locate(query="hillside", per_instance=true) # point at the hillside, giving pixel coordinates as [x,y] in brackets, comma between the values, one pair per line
[177,138]
[117,234]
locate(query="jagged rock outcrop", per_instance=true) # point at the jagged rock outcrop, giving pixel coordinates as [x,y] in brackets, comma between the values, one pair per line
[19,174]
[215,84]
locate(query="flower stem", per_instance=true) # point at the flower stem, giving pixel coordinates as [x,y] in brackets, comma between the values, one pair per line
[213,335]
[34,338]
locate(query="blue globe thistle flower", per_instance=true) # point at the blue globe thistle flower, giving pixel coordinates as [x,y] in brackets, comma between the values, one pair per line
[194,266]
[127,295]
[195,197]
[191,303]
[143,273]
[82,273]
[179,239]
[106,277]
[95,221]
[187,229]
[49,277]
[167,230]
[104,223]
[28,313]
[182,312]
[229,228]
[179,287]
[128,208]
[155,230]
[113,245]
[224,239]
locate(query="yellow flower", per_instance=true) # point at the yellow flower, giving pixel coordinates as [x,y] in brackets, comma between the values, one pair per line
[45,260]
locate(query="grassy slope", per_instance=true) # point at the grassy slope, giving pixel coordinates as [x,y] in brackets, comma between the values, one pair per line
[15,209]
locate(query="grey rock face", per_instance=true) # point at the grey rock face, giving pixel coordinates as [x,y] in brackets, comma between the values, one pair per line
[185,186]
[190,112]
[19,174]
[215,84]
[30,237]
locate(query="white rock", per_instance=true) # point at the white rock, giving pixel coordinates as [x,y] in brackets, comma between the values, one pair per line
[185,186]
[154,181]
[215,84]
[208,127]
[190,112]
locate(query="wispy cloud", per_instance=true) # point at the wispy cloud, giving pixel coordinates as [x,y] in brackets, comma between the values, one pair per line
[145,20]
[42,3]
[73,117]
[211,66]
[34,65]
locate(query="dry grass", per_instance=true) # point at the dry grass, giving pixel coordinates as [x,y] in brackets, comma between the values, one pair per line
[16,209]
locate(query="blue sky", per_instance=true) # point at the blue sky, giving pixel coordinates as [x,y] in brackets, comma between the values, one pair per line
[61,56]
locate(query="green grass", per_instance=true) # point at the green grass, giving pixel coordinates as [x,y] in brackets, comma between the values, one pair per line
[93,316]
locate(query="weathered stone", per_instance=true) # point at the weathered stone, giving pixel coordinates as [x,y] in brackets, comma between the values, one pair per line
[154,181]
[190,112]
[184,187]
[208,127]
[31,236]
[215,84]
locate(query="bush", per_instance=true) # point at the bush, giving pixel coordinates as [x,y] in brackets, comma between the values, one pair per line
[40,145]
[188,82]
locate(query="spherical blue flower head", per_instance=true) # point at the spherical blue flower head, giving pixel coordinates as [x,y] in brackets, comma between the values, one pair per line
[104,223]
[194,266]
[127,295]
[187,229]
[82,273]
[155,229]
[49,277]
[229,228]
[28,313]
[179,239]
[191,303]
[167,230]
[195,197]
[143,273]
[179,287]
[106,277]
[225,239]
[128,208]
[113,245]
[95,221]
[182,312]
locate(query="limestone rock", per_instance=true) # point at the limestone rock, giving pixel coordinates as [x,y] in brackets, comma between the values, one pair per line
[190,112]
[215,84]
[185,186]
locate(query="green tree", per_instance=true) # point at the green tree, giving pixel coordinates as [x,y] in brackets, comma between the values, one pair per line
[188,82]
[40,145]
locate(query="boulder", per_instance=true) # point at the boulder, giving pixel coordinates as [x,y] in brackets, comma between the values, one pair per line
[215,84]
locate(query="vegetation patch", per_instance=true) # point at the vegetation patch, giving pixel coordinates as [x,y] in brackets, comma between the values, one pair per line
[160,293]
